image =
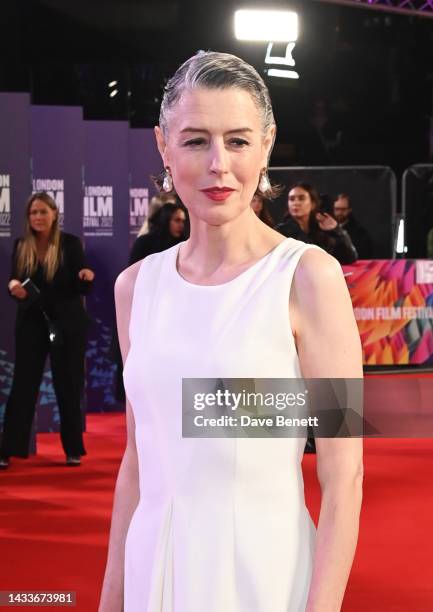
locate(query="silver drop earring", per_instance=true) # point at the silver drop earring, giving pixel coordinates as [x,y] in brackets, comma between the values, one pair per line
[167,183]
[264,184]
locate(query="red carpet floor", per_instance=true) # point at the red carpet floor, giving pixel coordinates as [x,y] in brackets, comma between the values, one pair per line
[54,521]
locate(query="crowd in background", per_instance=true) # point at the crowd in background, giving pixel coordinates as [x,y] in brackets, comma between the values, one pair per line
[308,217]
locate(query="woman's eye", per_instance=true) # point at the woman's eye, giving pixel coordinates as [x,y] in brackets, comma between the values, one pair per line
[239,142]
[196,142]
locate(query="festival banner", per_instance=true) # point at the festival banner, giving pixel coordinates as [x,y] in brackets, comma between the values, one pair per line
[57,134]
[15,188]
[393,306]
[144,162]
[57,145]
[105,222]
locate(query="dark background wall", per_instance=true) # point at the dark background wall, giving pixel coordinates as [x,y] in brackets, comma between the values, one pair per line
[364,96]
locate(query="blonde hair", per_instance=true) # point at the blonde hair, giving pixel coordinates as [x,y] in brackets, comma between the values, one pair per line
[27,257]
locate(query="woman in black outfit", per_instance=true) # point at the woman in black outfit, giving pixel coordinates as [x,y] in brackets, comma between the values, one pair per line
[168,226]
[305,222]
[52,322]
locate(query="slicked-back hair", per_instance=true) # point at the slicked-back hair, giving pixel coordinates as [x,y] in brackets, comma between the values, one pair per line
[213,70]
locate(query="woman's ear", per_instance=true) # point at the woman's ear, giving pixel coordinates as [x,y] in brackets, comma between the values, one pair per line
[161,144]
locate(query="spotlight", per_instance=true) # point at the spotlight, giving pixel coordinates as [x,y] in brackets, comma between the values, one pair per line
[114,93]
[275,26]
[112,84]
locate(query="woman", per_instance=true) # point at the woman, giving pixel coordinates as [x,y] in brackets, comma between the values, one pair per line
[50,320]
[221,524]
[168,227]
[305,222]
[259,206]
[155,204]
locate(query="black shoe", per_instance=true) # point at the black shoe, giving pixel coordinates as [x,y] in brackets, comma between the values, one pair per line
[73,460]
[4,463]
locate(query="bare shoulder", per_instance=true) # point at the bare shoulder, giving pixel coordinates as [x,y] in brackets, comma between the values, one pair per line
[125,283]
[322,318]
[318,273]
[123,293]
[319,297]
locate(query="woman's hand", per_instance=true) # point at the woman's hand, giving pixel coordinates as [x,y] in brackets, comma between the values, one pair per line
[326,222]
[86,274]
[17,290]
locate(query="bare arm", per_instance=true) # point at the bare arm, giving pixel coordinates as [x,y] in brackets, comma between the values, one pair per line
[126,494]
[329,346]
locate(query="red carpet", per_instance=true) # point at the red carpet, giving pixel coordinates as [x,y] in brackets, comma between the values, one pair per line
[54,521]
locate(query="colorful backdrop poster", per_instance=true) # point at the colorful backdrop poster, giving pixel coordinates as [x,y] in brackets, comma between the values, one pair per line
[393,306]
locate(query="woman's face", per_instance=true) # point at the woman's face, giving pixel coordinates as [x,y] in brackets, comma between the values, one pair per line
[257,204]
[215,150]
[41,217]
[177,223]
[299,203]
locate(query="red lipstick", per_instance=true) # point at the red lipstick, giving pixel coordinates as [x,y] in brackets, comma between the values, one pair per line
[218,194]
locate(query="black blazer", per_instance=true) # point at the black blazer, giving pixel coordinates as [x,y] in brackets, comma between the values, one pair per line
[336,242]
[60,298]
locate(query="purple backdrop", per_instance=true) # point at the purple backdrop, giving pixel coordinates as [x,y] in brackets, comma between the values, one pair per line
[106,232]
[144,161]
[14,190]
[57,159]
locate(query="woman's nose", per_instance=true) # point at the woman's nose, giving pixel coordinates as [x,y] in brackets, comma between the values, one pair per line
[219,160]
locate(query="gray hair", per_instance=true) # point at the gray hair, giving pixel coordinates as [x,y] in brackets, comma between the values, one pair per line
[212,70]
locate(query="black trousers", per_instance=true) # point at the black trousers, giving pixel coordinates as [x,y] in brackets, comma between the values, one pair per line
[67,363]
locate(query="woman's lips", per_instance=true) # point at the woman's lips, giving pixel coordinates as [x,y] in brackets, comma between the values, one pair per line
[218,194]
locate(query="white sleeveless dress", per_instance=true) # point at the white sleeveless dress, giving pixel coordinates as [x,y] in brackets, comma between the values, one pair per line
[221,525]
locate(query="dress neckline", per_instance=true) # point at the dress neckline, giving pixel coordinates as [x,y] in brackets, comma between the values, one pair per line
[231,281]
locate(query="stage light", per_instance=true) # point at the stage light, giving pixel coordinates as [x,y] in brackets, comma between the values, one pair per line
[112,84]
[114,93]
[274,26]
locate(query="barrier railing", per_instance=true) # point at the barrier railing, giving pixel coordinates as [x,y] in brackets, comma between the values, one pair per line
[417,210]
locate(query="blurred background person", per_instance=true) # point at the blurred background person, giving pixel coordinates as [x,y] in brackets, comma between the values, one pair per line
[360,238]
[169,225]
[306,221]
[154,205]
[260,207]
[48,277]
